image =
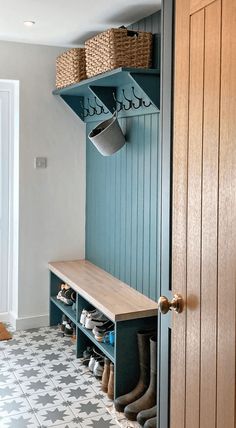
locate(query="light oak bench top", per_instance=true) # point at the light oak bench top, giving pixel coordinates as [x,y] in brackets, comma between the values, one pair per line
[117,300]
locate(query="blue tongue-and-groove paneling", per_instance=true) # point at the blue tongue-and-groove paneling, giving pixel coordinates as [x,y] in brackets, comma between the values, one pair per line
[123,201]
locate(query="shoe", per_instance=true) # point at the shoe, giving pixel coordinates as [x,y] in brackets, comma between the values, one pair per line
[107,326]
[144,415]
[68,329]
[93,320]
[105,375]
[143,338]
[62,296]
[110,386]
[86,355]
[151,423]
[148,399]
[84,314]
[91,363]
[64,321]
[94,357]
[98,369]
[66,294]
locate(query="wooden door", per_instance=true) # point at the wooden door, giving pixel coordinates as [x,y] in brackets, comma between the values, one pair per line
[204,215]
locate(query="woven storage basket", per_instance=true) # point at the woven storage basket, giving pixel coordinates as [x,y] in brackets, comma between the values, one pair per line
[118,47]
[70,67]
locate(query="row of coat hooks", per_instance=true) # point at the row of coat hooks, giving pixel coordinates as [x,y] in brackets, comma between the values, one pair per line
[124,104]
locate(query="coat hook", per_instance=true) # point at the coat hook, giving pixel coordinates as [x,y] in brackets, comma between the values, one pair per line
[118,102]
[93,108]
[147,105]
[129,101]
[101,107]
[140,100]
[85,110]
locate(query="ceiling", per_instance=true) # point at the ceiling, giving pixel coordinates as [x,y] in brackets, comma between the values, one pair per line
[67,22]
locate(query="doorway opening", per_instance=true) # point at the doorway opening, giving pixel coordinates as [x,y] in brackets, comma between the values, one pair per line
[9,198]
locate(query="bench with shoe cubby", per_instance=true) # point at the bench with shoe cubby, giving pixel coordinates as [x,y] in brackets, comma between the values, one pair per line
[129,310]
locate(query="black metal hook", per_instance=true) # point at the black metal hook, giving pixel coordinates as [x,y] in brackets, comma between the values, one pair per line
[98,105]
[147,105]
[101,107]
[140,100]
[91,107]
[129,101]
[118,102]
[84,110]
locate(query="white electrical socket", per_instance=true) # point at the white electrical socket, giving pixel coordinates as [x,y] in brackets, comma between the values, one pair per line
[40,162]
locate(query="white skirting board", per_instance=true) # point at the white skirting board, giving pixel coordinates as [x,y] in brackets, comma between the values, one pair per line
[23,323]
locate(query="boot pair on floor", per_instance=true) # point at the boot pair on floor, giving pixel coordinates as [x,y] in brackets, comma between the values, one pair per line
[140,403]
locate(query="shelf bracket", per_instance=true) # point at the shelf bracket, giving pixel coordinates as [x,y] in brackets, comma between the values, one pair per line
[150,85]
[105,95]
[75,103]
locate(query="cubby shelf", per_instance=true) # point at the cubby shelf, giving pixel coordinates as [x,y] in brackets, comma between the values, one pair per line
[104,86]
[129,310]
[108,350]
[67,310]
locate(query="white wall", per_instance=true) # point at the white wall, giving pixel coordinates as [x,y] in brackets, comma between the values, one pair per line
[52,200]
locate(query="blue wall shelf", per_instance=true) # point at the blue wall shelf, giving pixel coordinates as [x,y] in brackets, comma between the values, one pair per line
[99,96]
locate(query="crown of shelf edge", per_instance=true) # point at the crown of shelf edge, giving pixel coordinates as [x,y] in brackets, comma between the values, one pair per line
[116,72]
[122,315]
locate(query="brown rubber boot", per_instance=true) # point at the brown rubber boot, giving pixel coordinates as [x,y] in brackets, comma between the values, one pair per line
[148,399]
[105,375]
[144,376]
[110,386]
[151,423]
[144,415]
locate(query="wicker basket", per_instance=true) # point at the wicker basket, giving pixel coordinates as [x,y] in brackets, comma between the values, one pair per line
[70,67]
[118,47]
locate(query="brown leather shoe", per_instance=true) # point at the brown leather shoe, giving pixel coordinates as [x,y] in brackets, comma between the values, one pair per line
[143,337]
[148,399]
[144,415]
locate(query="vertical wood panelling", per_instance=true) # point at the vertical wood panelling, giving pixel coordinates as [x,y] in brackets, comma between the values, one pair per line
[122,210]
[154,238]
[196,5]
[206,378]
[179,210]
[210,215]
[227,223]
[194,219]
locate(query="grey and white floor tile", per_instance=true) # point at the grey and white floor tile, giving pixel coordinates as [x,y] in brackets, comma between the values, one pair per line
[42,384]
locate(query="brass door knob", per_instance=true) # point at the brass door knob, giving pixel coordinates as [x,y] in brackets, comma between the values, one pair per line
[176,304]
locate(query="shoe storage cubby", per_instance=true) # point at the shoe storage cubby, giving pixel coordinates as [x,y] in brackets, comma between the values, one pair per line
[129,310]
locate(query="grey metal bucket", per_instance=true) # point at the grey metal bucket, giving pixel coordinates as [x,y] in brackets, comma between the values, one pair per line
[107,137]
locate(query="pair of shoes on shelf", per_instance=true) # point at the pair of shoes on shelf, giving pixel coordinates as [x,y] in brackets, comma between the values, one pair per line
[86,355]
[108,378]
[67,326]
[67,295]
[105,332]
[96,364]
[91,319]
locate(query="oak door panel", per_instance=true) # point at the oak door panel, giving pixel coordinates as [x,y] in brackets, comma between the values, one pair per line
[204,219]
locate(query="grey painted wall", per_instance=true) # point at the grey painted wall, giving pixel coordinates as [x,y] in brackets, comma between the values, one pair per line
[52,201]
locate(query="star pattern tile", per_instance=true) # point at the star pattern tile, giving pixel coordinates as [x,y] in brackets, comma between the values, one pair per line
[43,384]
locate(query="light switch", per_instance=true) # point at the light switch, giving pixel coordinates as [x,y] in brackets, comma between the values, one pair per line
[40,162]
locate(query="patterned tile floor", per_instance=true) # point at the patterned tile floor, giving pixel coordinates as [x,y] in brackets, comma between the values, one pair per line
[42,384]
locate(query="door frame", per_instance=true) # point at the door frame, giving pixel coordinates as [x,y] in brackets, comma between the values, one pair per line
[12,88]
[164,288]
